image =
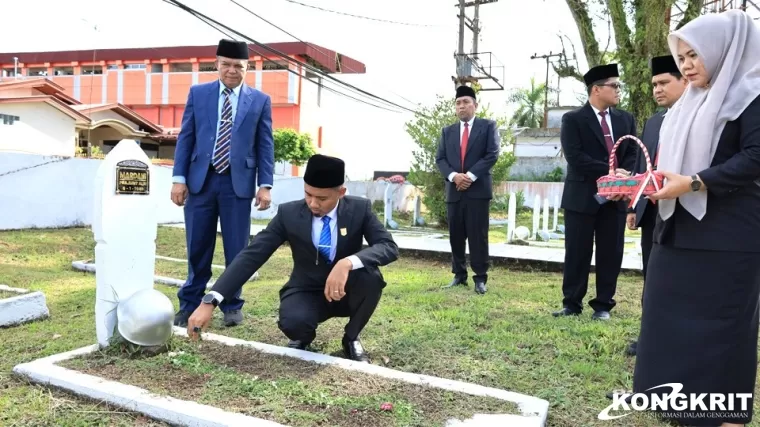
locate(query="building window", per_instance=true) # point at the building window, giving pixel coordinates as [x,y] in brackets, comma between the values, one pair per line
[275,65]
[113,67]
[90,70]
[9,120]
[156,68]
[135,66]
[207,67]
[63,71]
[181,67]
[8,72]
[37,71]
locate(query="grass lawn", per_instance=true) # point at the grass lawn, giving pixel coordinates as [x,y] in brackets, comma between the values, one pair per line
[506,339]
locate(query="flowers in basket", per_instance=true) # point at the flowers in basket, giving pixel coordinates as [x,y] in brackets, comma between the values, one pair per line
[632,187]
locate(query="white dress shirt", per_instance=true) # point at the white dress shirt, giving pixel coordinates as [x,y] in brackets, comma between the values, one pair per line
[461,133]
[316,232]
[606,118]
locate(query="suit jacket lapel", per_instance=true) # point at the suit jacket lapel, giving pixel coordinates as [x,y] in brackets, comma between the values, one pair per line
[304,226]
[344,223]
[594,124]
[618,127]
[477,129]
[244,103]
[212,105]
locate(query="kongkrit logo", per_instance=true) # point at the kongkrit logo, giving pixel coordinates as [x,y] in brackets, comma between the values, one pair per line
[674,401]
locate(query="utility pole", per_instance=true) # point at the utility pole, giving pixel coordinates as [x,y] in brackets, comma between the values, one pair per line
[465,62]
[546,85]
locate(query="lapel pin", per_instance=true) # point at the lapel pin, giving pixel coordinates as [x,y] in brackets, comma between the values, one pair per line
[343,232]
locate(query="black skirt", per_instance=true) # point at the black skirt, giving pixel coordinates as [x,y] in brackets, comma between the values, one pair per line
[699,327]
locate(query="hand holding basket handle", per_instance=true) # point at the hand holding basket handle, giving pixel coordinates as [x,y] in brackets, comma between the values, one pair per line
[634,186]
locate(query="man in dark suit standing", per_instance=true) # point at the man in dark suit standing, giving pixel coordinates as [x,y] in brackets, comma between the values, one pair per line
[332,275]
[467,152]
[667,87]
[225,146]
[587,136]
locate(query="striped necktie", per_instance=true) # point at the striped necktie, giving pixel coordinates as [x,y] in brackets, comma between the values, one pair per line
[222,148]
[325,239]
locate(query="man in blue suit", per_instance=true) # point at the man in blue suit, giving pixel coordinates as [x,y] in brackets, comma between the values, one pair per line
[224,149]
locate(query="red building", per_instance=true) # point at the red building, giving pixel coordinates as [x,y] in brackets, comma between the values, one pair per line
[154,82]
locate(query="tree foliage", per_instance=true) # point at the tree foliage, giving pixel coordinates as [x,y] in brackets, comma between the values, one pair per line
[530,105]
[292,147]
[640,29]
[425,129]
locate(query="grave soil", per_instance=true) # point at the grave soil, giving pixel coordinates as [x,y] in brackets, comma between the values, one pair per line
[280,388]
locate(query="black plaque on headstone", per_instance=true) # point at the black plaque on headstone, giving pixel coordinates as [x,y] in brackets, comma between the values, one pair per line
[132,177]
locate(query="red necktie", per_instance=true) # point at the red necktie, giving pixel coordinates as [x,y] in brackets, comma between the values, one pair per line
[606,131]
[465,137]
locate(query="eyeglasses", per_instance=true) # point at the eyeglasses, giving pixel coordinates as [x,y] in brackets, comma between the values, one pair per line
[616,86]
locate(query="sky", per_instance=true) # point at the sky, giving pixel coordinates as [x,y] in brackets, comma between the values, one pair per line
[406,64]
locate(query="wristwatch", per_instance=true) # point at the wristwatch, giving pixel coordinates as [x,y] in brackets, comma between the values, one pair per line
[696,184]
[210,299]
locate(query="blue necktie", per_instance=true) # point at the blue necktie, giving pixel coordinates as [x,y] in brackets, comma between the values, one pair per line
[325,239]
[222,149]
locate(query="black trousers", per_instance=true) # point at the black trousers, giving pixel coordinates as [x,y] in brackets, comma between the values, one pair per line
[302,311]
[607,228]
[647,229]
[468,224]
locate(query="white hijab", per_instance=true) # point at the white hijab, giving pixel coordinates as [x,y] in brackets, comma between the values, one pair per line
[729,46]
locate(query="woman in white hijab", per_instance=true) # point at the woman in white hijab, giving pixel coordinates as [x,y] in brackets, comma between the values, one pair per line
[699,324]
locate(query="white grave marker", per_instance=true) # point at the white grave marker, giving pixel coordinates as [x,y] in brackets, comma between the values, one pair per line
[556,212]
[124,225]
[511,216]
[536,215]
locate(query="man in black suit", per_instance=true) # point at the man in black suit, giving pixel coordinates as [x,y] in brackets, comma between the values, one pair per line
[467,151]
[332,275]
[667,87]
[587,136]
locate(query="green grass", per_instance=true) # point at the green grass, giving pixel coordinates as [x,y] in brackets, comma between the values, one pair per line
[8,294]
[505,339]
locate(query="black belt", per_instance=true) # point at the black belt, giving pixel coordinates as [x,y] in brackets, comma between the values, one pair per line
[212,169]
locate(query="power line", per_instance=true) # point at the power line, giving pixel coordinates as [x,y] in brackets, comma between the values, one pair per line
[282,55]
[362,17]
[302,41]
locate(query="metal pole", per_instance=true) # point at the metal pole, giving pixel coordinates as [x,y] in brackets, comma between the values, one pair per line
[546,93]
[15,68]
[475,30]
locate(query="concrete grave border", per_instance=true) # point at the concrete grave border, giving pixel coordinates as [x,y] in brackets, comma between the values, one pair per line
[187,413]
[25,307]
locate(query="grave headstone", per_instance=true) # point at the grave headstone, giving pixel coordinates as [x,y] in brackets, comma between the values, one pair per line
[124,226]
[556,212]
[511,216]
[536,215]
[418,220]
[546,215]
[388,204]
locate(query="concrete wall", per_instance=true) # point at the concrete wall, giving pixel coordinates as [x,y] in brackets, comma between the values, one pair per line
[42,129]
[531,189]
[529,168]
[48,191]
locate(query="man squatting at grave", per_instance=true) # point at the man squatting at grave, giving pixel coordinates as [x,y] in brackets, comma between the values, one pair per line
[333,276]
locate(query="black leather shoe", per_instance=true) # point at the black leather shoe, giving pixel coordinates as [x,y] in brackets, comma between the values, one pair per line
[458,281]
[565,312]
[180,319]
[631,350]
[298,344]
[601,315]
[233,318]
[355,351]
[480,288]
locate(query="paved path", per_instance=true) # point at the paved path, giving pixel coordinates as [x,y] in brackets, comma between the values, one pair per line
[631,260]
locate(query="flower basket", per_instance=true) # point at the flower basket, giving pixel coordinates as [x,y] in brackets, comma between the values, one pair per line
[635,186]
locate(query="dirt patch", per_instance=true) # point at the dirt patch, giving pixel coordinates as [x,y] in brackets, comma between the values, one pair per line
[284,389]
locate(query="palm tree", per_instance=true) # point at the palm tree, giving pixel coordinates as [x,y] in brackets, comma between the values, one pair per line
[530,112]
